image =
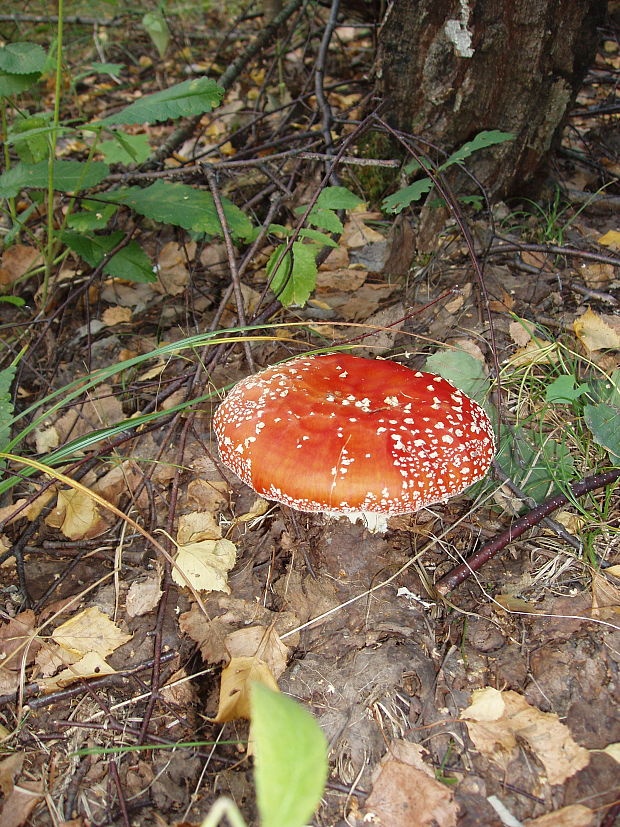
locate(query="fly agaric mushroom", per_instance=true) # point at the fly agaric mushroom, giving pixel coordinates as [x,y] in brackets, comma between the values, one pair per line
[341,434]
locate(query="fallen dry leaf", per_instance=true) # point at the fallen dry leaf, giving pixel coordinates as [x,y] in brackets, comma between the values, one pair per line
[605,596]
[77,515]
[20,803]
[172,271]
[519,333]
[90,631]
[357,233]
[210,495]
[610,239]
[597,331]
[205,565]
[497,721]
[197,526]
[236,681]
[10,767]
[144,594]
[17,641]
[405,792]
[16,261]
[91,665]
[116,315]
[261,643]
[614,751]
[575,815]
[536,352]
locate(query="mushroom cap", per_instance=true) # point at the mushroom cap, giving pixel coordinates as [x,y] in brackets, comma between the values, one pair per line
[343,434]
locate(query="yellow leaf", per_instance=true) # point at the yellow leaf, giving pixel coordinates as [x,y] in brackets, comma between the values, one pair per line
[197,526]
[611,239]
[260,643]
[205,564]
[597,332]
[116,315]
[614,751]
[90,631]
[91,665]
[235,685]
[77,515]
[536,352]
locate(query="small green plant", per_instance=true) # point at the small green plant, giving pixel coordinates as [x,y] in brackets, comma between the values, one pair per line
[290,764]
[397,202]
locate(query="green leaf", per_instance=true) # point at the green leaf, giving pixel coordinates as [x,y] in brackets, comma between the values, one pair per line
[113,69]
[22,58]
[536,464]
[6,404]
[93,216]
[397,202]
[191,97]
[184,206]
[157,29]
[337,198]
[16,84]
[69,176]
[603,421]
[316,235]
[462,370]
[563,390]
[130,263]
[16,300]
[481,141]
[290,763]
[324,219]
[125,149]
[30,136]
[295,278]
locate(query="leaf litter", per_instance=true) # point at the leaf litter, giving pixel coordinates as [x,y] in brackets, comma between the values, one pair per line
[500,702]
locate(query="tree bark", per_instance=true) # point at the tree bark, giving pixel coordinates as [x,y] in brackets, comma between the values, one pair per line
[451,68]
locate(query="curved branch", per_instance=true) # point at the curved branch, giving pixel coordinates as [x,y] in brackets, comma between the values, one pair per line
[460,573]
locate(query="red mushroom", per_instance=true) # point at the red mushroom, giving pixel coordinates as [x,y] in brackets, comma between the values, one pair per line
[342,434]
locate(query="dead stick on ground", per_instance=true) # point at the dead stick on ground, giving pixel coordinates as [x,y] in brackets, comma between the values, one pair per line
[460,573]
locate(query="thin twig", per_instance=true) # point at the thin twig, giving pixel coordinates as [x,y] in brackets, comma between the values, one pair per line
[459,574]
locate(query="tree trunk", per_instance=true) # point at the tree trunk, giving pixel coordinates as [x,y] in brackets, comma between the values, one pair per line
[451,68]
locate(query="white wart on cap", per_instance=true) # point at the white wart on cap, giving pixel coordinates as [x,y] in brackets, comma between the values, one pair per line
[342,434]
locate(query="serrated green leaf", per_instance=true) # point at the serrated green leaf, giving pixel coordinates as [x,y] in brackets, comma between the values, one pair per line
[125,149]
[184,206]
[295,277]
[290,759]
[130,263]
[93,216]
[397,202]
[316,235]
[563,390]
[69,176]
[481,141]
[16,84]
[29,136]
[22,58]
[6,405]
[324,220]
[191,97]
[337,198]
[157,29]
[603,420]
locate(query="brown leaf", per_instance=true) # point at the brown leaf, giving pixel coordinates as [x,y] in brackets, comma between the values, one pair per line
[16,261]
[17,639]
[405,792]
[10,767]
[495,720]
[20,803]
[116,315]
[575,815]
[77,515]
[144,594]
[259,642]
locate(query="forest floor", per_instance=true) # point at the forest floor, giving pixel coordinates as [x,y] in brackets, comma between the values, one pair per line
[102,646]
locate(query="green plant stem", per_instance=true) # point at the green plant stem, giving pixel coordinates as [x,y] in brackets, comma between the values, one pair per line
[49,258]
[4,134]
